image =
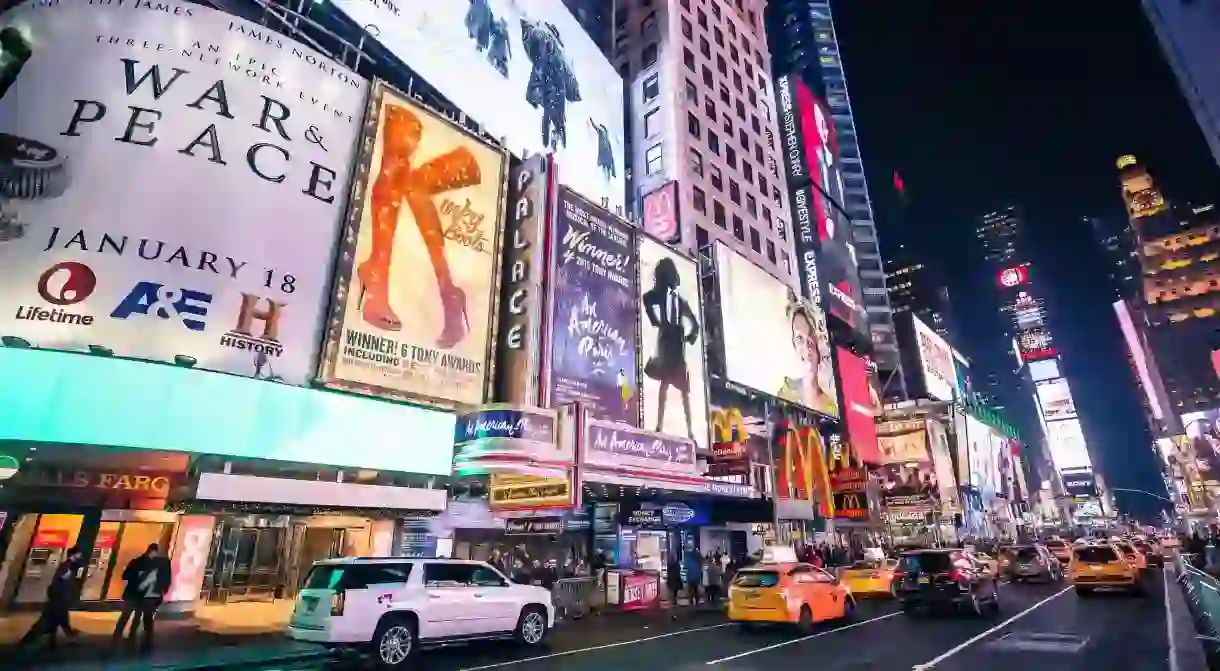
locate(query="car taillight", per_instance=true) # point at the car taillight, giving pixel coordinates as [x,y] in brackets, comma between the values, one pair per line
[898,575]
[955,576]
[336,603]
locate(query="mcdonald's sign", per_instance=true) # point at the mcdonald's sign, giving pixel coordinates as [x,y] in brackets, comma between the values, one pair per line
[851,505]
[801,472]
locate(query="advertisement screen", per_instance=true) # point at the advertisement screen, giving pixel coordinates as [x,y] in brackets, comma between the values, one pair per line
[773,341]
[1135,347]
[908,477]
[859,407]
[1079,484]
[1026,310]
[674,388]
[594,305]
[1067,444]
[1011,277]
[1055,399]
[161,206]
[523,69]
[942,462]
[412,313]
[823,240]
[1036,343]
[738,433]
[1203,430]
[936,362]
[661,213]
[1046,369]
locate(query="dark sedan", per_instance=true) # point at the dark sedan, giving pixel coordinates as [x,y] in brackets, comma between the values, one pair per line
[943,580]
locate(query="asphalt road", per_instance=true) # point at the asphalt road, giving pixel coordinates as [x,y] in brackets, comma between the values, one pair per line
[1044,627]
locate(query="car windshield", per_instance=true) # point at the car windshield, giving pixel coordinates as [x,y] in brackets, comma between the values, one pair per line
[866,565]
[1125,548]
[1096,555]
[324,576]
[1023,554]
[927,562]
[756,579]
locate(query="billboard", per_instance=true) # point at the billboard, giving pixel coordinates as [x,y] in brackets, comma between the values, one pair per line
[738,434]
[936,362]
[802,472]
[1055,399]
[1045,369]
[1036,343]
[524,70]
[661,218]
[1011,277]
[673,390]
[774,342]
[138,226]
[942,463]
[823,229]
[859,406]
[1135,347]
[519,354]
[1080,484]
[1026,310]
[1203,430]
[413,315]
[908,476]
[1067,444]
[593,312]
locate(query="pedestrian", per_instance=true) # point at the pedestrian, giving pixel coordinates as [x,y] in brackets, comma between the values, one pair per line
[673,578]
[715,578]
[55,609]
[148,578]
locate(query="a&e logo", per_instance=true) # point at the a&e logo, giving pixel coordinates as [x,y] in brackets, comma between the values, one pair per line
[145,298]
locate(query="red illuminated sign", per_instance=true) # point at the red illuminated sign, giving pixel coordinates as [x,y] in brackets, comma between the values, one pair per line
[1011,277]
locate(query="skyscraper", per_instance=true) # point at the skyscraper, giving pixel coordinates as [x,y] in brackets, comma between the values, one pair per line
[701,128]
[804,46]
[1116,241]
[918,287]
[1189,31]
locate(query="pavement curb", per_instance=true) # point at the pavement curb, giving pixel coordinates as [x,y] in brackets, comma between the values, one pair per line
[238,664]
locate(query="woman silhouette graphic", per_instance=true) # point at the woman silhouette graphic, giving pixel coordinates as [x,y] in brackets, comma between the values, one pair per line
[669,314]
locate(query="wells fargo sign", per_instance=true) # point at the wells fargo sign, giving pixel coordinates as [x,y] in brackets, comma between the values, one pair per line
[151,485]
[802,472]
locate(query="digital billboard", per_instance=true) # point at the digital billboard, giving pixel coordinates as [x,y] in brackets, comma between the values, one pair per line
[936,363]
[525,70]
[1046,369]
[1026,310]
[1036,343]
[1011,277]
[150,210]
[660,218]
[774,341]
[823,229]
[1055,399]
[1135,347]
[859,409]
[1079,484]
[1067,445]
[1203,430]
[415,287]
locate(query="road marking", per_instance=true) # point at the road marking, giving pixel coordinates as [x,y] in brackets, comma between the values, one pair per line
[949,653]
[1173,647]
[801,639]
[565,653]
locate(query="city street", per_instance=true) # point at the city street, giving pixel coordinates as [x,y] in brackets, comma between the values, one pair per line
[1046,627]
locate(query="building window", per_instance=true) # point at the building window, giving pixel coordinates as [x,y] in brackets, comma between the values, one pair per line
[733,54]
[692,124]
[721,65]
[781,229]
[743,138]
[701,19]
[762,185]
[758,154]
[730,157]
[717,178]
[696,162]
[775,195]
[728,125]
[753,97]
[734,192]
[692,92]
[702,239]
[709,108]
[787,262]
[751,204]
[707,76]
[648,27]
[718,214]
[724,94]
[739,228]
[688,31]
[652,122]
[737,82]
[747,171]
[652,87]
[699,199]
[754,125]
[771,251]
[653,159]
[705,48]
[718,37]
[713,143]
[755,240]
[688,59]
[650,56]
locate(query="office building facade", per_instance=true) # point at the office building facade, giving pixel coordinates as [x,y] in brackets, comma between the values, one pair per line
[1189,31]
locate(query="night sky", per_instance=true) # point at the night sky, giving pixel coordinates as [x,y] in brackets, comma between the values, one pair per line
[979,104]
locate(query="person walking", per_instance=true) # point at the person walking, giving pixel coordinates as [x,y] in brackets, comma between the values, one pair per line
[55,609]
[715,579]
[148,579]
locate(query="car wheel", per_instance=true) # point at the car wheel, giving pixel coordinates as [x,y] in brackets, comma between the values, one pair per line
[893,590]
[849,608]
[396,641]
[531,626]
[993,606]
[975,606]
[805,623]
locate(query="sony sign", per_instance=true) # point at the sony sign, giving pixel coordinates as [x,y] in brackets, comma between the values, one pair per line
[520,351]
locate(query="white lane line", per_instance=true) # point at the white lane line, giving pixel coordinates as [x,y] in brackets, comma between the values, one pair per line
[565,653]
[951,652]
[800,640]
[1173,646]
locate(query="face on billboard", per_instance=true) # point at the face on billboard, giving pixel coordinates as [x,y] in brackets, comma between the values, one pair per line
[1067,444]
[594,305]
[413,306]
[674,388]
[523,69]
[661,213]
[773,341]
[135,224]
[936,360]
[1055,399]
[859,406]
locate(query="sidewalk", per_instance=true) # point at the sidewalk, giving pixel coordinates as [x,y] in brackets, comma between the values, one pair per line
[216,637]
[1185,647]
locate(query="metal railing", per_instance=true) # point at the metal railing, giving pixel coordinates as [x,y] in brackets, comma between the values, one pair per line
[576,597]
[1202,592]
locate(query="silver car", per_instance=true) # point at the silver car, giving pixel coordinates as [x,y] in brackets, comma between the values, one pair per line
[1030,562]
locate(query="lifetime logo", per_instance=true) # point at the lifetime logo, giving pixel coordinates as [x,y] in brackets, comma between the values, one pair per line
[63,284]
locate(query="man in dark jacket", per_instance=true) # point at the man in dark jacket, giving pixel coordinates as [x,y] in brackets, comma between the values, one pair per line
[55,609]
[148,579]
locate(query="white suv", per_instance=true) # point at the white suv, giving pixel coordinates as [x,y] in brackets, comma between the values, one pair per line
[399,605]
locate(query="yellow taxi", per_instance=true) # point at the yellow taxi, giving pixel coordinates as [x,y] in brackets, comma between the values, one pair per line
[782,590]
[870,577]
[1139,559]
[1102,566]
[1061,549]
